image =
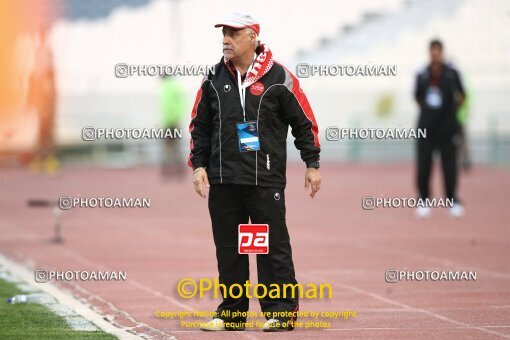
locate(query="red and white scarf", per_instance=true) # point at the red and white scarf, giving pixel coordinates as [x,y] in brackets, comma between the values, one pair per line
[261,65]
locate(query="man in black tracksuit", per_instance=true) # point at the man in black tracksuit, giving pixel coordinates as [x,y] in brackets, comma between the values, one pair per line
[239,129]
[439,93]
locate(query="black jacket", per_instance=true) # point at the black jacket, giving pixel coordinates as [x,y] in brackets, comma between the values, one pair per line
[441,121]
[275,102]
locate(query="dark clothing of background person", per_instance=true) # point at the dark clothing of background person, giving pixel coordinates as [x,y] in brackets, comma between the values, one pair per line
[437,94]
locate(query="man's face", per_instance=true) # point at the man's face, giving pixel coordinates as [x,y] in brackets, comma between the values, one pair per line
[236,42]
[436,55]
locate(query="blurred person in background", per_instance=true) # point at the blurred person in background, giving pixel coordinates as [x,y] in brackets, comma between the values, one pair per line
[439,93]
[462,116]
[42,97]
[239,127]
[173,105]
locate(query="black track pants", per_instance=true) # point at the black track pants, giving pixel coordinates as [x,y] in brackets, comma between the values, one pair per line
[448,150]
[231,205]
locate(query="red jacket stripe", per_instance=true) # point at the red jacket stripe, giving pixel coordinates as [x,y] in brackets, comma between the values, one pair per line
[307,109]
[305,105]
[191,126]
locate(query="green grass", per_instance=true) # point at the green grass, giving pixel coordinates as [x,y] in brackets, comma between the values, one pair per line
[33,321]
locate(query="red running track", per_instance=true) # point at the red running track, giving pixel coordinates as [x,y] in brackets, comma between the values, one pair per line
[334,241]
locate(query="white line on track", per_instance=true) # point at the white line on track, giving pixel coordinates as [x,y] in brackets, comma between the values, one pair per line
[145,288]
[410,308]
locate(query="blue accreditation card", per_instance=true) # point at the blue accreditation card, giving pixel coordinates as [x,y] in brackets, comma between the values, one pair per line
[248,136]
[434,97]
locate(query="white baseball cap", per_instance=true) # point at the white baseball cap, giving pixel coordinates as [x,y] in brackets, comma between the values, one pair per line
[240,20]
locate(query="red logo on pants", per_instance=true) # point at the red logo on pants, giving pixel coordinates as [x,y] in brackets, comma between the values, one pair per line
[253,239]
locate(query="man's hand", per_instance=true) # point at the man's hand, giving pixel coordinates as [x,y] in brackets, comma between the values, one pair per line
[313,180]
[200,181]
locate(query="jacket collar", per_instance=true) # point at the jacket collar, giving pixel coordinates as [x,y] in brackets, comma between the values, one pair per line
[261,65]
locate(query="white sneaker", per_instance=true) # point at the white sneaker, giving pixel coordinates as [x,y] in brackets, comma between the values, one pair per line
[275,325]
[457,211]
[423,212]
[215,324]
